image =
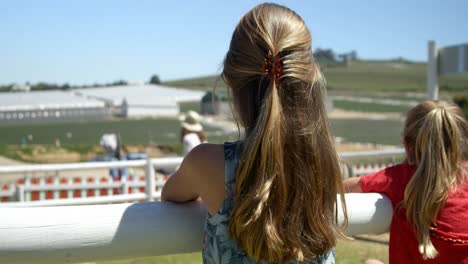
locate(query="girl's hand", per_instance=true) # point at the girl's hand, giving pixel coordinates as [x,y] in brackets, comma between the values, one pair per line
[352,185]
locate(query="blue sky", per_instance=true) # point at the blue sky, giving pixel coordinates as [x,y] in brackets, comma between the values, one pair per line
[82,42]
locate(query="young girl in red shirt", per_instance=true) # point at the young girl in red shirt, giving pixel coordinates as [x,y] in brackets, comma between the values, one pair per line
[429,190]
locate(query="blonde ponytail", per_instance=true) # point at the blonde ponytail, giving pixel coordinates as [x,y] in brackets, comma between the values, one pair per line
[262,159]
[437,132]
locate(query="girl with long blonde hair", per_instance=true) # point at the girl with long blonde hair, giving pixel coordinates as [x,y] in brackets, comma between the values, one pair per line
[429,190]
[271,197]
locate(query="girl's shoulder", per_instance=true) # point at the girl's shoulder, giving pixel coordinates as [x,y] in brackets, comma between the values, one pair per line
[206,165]
[205,154]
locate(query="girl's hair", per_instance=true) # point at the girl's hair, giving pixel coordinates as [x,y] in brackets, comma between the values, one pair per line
[436,138]
[201,135]
[288,176]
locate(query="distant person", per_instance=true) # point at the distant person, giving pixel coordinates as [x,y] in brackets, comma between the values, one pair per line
[272,197]
[112,146]
[429,190]
[192,133]
[57,142]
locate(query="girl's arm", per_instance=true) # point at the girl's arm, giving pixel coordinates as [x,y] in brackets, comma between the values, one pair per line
[182,185]
[198,176]
[352,185]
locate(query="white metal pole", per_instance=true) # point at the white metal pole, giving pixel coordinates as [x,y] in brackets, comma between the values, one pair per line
[42,194]
[27,183]
[70,192]
[432,72]
[56,183]
[20,193]
[124,187]
[150,180]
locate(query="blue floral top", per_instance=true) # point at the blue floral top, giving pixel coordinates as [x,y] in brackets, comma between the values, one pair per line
[218,247]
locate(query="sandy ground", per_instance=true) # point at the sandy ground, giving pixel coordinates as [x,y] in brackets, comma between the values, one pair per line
[7,161]
[342,114]
[230,126]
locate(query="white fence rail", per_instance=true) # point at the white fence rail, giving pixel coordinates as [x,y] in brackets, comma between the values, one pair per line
[45,190]
[168,163]
[103,232]
[69,234]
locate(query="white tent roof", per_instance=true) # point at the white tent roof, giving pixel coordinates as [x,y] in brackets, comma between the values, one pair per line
[42,100]
[142,95]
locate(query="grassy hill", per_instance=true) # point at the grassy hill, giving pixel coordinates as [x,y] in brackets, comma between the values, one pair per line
[392,76]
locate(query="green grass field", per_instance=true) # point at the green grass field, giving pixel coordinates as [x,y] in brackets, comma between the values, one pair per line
[391,77]
[385,132]
[369,107]
[347,252]
[165,132]
[156,131]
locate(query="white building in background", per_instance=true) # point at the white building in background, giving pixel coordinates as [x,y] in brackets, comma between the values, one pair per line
[142,100]
[132,101]
[49,106]
[20,88]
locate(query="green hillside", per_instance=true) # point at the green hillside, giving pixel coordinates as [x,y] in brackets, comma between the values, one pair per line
[362,76]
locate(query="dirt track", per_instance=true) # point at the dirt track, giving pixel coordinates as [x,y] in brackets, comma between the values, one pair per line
[342,114]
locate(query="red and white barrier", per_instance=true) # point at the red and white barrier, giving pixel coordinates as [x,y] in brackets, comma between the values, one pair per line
[55,188]
[366,168]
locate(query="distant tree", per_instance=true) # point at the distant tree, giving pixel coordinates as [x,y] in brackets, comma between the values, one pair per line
[118,83]
[65,86]
[5,88]
[155,79]
[325,55]
[42,86]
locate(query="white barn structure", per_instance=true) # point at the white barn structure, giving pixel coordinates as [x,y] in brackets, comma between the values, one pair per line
[143,100]
[49,106]
[98,103]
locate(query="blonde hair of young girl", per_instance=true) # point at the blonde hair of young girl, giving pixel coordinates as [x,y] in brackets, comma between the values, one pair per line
[436,137]
[289,175]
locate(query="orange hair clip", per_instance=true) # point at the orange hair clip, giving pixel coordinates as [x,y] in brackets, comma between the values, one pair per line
[272,68]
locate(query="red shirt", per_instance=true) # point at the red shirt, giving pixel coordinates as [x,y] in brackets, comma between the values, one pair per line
[450,238]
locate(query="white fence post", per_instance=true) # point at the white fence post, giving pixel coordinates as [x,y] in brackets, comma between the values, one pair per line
[124,187]
[27,183]
[110,191]
[42,194]
[432,71]
[56,182]
[150,180]
[84,192]
[70,192]
[20,193]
